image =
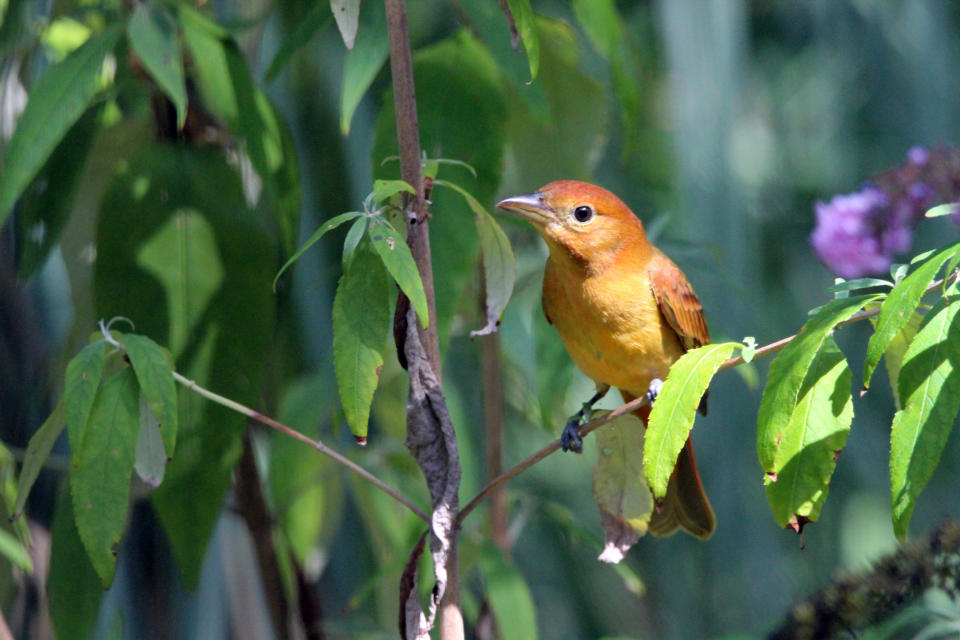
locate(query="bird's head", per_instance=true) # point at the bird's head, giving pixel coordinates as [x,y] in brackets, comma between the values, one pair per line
[578,219]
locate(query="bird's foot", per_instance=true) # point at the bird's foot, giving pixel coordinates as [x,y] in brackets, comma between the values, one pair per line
[570,439]
[655,385]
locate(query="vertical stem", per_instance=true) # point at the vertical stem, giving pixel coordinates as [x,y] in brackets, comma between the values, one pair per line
[493,427]
[408,140]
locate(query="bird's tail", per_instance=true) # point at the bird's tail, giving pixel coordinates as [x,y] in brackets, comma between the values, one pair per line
[686,505]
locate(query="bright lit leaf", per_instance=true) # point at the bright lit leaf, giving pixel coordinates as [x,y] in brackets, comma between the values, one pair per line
[898,307]
[347,15]
[807,447]
[523,18]
[789,370]
[929,390]
[675,408]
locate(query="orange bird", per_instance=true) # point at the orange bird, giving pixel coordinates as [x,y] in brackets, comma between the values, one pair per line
[625,312]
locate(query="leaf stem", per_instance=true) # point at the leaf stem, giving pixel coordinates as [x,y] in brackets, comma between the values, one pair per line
[293,433]
[633,405]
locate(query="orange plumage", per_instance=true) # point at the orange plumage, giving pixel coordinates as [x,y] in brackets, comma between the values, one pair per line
[624,311]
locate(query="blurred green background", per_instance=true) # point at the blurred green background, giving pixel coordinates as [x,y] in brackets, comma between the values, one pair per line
[720,123]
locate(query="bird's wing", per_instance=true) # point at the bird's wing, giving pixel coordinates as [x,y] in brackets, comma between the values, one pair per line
[678,303]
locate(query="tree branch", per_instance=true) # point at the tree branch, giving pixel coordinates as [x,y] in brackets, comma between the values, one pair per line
[633,405]
[293,433]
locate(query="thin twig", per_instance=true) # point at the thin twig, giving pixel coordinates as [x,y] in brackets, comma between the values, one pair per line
[633,405]
[293,433]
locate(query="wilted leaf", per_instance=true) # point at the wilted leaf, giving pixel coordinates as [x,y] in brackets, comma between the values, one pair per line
[55,103]
[151,456]
[152,33]
[38,449]
[929,389]
[620,487]
[675,408]
[509,596]
[413,622]
[899,306]
[361,321]
[364,61]
[807,448]
[789,370]
[100,474]
[499,263]
[155,376]
[82,381]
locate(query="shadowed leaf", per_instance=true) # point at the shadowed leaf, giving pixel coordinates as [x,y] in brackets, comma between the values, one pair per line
[38,449]
[152,33]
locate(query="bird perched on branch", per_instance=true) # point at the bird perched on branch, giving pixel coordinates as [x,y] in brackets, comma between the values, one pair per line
[625,312]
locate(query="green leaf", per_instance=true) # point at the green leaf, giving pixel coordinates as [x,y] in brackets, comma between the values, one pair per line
[749,349]
[671,417]
[55,103]
[620,487]
[307,27]
[364,61]
[155,375]
[225,345]
[929,390]
[84,372]
[305,489]
[100,474]
[459,92]
[73,588]
[332,223]
[47,202]
[948,209]
[38,449]
[509,596]
[499,263]
[183,256]
[789,370]
[347,15]
[13,550]
[152,33]
[384,189]
[523,18]
[151,457]
[396,256]
[350,243]
[893,356]
[859,283]
[807,448]
[899,305]
[361,321]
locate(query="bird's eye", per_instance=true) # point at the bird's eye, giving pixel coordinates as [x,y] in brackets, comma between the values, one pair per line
[583,213]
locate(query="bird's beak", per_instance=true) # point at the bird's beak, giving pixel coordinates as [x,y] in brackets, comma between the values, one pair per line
[529,206]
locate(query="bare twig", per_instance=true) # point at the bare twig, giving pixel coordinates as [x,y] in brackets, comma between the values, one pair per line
[633,405]
[293,433]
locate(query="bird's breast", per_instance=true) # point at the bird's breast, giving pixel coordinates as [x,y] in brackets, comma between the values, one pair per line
[611,326]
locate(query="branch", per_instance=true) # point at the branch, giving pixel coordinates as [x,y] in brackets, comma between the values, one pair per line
[633,405]
[293,433]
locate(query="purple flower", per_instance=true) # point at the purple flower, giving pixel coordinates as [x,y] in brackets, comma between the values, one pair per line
[857,234]
[918,156]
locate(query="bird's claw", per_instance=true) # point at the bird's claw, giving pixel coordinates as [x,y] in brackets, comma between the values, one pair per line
[570,439]
[655,385]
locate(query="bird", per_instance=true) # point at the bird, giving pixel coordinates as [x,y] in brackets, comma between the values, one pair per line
[625,313]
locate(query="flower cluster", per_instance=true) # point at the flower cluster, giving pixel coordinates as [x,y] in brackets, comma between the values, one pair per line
[857,234]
